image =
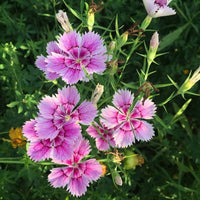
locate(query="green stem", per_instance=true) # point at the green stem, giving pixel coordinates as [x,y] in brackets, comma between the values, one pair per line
[5,161]
[147,72]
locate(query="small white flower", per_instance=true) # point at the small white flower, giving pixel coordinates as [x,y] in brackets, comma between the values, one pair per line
[158,8]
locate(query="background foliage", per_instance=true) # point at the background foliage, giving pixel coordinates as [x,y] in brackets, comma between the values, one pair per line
[172,158]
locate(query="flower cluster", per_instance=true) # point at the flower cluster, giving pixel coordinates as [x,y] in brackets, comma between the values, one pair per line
[53,133]
[56,132]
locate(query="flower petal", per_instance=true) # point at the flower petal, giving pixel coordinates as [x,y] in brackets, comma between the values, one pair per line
[85,113]
[78,186]
[143,130]
[46,129]
[111,117]
[124,136]
[69,40]
[82,150]
[69,96]
[144,110]
[53,47]
[93,43]
[29,130]
[123,100]
[60,177]
[63,149]
[47,107]
[40,150]
[92,169]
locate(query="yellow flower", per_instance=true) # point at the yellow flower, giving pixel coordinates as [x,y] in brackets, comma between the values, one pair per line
[104,169]
[16,138]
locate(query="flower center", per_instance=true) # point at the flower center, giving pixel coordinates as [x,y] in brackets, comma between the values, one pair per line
[78,60]
[67,117]
[161,3]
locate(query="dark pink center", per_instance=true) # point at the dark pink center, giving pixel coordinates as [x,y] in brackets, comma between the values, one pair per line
[161,3]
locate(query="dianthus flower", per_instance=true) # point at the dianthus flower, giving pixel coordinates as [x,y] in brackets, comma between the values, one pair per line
[71,54]
[104,139]
[77,175]
[53,133]
[158,8]
[128,125]
[55,111]
[61,147]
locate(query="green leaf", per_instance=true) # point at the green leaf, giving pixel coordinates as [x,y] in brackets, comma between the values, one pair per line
[13,104]
[180,111]
[20,108]
[183,120]
[171,37]
[75,13]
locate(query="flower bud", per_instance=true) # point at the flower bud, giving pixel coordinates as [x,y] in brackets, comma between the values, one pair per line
[90,19]
[189,82]
[133,160]
[63,20]
[111,46]
[118,180]
[122,39]
[153,48]
[97,93]
[113,66]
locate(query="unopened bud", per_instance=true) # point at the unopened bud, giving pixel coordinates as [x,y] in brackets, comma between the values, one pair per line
[189,82]
[118,180]
[154,41]
[113,66]
[122,39]
[90,19]
[111,46]
[133,160]
[153,48]
[97,93]
[64,21]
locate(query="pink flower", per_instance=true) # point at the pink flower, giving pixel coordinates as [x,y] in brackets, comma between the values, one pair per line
[128,126]
[77,175]
[103,140]
[58,110]
[75,52]
[158,8]
[59,148]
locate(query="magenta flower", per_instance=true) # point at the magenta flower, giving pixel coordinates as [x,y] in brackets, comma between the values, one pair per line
[58,110]
[103,140]
[60,148]
[158,8]
[128,126]
[77,175]
[72,53]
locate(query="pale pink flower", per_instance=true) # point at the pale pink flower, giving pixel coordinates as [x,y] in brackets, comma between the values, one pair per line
[77,175]
[104,139]
[61,147]
[158,8]
[60,109]
[128,126]
[75,53]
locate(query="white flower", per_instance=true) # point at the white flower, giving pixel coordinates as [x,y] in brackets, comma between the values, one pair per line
[158,8]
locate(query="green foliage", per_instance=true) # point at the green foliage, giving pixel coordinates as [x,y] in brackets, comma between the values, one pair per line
[171,169]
